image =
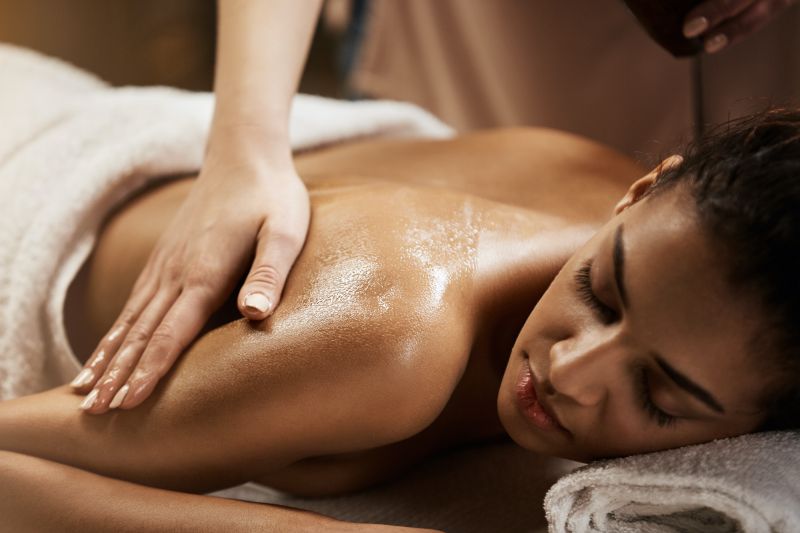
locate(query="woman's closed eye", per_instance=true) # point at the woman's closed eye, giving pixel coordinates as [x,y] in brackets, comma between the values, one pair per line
[645,397]
[583,282]
[609,315]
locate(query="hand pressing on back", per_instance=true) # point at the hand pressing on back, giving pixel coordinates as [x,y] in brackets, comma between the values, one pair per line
[248,200]
[236,208]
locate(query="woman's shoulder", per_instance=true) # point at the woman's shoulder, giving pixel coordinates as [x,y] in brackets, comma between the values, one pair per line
[398,260]
[387,245]
[534,168]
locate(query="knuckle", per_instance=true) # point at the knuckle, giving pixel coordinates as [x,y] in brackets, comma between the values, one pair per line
[138,334]
[202,275]
[164,337]
[199,279]
[286,238]
[127,316]
[265,274]
[172,271]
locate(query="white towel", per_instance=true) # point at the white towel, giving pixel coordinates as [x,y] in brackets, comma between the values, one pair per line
[747,484]
[72,148]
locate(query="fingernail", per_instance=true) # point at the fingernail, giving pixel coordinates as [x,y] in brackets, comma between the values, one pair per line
[256,301]
[716,43]
[82,379]
[695,27]
[119,397]
[88,402]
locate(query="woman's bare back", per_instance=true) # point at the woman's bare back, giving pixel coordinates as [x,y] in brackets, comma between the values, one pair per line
[548,172]
[422,287]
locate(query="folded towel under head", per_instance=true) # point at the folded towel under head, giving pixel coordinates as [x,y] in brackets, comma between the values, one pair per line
[747,484]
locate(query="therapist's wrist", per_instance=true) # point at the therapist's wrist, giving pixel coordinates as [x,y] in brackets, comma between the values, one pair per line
[253,167]
[250,145]
[276,127]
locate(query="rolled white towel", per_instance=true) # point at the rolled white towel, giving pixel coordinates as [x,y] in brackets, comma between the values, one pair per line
[749,483]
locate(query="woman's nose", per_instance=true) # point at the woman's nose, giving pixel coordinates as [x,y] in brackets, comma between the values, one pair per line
[581,368]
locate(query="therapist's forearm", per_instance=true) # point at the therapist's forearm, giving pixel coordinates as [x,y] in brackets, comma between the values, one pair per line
[261,52]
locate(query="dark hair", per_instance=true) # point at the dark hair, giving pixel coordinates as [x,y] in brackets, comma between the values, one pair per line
[744,177]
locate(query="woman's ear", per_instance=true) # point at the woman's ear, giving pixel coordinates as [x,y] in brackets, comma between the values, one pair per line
[643,184]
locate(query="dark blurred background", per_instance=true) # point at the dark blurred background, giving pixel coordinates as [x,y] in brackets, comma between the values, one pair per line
[584,66]
[150,42]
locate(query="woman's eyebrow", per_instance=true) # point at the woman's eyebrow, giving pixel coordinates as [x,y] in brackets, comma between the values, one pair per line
[679,378]
[688,385]
[619,266]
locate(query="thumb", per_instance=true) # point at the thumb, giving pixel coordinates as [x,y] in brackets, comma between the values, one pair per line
[261,292]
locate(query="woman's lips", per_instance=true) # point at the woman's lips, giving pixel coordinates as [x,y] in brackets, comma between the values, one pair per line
[529,403]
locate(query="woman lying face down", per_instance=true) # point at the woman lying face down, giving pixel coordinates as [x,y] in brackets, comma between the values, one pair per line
[661,327]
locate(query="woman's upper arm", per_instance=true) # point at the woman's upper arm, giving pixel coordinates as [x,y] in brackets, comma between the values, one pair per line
[242,401]
[301,389]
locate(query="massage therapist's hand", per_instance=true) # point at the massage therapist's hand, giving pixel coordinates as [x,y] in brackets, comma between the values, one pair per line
[238,206]
[248,200]
[720,23]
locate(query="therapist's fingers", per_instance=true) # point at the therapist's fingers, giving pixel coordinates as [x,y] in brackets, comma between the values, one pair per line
[711,14]
[192,269]
[178,328]
[745,23]
[129,352]
[144,290]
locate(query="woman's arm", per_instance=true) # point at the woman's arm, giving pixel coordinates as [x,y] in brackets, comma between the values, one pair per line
[245,401]
[41,495]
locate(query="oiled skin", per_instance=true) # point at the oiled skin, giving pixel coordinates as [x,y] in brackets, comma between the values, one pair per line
[393,331]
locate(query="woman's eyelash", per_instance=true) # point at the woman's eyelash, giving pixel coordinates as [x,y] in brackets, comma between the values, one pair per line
[583,281]
[645,399]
